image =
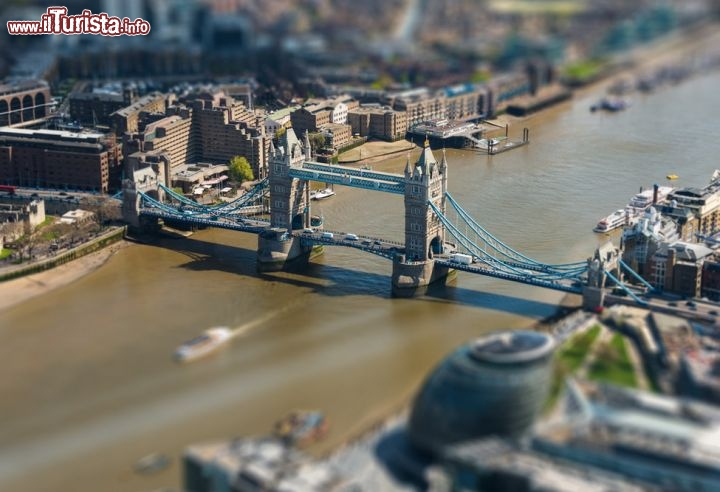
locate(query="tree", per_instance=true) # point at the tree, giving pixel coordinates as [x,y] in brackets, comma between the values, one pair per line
[240,169]
[317,141]
[105,210]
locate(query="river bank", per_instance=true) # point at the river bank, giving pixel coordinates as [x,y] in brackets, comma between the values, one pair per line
[22,289]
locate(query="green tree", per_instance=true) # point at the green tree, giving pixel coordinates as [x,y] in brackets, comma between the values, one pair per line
[240,169]
[317,141]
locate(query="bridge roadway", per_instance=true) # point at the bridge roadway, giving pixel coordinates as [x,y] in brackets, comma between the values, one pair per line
[377,246]
[694,310]
[237,223]
[564,286]
[353,171]
[356,178]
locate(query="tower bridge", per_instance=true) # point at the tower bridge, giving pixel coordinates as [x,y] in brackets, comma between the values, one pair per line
[440,236]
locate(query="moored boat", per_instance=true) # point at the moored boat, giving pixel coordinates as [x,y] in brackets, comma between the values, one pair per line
[302,427]
[617,219]
[641,201]
[322,194]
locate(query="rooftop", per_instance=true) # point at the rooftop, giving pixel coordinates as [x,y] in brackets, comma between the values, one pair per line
[139,104]
[282,113]
[264,461]
[511,347]
[21,86]
[495,455]
[643,425]
[87,137]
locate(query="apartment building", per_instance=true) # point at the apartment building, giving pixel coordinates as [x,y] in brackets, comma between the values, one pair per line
[59,159]
[127,119]
[172,134]
[377,121]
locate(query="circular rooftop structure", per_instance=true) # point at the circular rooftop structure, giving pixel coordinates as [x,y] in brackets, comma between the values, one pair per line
[512,347]
[495,385]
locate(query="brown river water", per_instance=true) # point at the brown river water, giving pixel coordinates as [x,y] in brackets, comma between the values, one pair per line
[88,384]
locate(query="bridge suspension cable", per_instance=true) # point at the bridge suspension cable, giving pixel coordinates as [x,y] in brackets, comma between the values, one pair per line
[503,249]
[500,262]
[258,191]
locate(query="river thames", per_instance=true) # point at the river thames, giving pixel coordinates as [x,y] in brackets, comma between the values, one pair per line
[89,385]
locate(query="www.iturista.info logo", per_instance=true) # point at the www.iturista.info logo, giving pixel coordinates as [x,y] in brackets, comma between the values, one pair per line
[57,21]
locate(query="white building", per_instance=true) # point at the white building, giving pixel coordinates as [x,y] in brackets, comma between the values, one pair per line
[339,114]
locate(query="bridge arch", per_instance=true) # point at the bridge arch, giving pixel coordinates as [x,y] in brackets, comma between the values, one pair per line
[4,116]
[15,107]
[40,109]
[436,246]
[298,221]
[28,106]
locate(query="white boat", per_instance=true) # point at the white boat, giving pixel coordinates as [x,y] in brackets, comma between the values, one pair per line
[321,194]
[644,199]
[210,340]
[615,220]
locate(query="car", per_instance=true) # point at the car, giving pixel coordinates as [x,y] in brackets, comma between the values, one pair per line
[351,237]
[34,195]
[307,230]
[377,242]
[672,304]
[713,312]
[366,242]
[62,193]
[691,304]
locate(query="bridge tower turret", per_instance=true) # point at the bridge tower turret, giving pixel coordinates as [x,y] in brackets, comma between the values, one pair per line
[604,260]
[425,183]
[289,206]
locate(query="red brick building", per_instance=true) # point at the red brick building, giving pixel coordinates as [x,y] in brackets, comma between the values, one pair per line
[59,159]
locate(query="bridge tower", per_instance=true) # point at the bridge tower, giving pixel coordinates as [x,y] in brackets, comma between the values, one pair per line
[289,207]
[425,183]
[604,260]
[143,180]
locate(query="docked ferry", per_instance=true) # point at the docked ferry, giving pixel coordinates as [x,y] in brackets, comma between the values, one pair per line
[644,199]
[209,341]
[616,219]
